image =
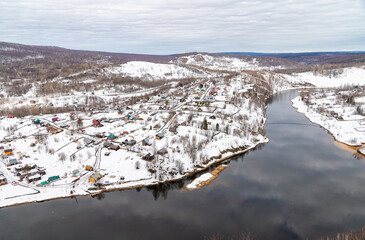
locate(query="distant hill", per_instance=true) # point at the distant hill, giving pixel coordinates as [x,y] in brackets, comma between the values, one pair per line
[289,55]
[10,52]
[27,55]
[313,58]
[13,52]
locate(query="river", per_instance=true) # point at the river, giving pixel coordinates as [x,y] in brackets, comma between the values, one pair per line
[298,185]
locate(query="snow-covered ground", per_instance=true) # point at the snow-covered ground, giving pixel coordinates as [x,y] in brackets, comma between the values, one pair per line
[153,71]
[349,129]
[195,184]
[224,63]
[350,76]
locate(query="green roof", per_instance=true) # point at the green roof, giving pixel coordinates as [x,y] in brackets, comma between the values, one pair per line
[53,178]
[111,136]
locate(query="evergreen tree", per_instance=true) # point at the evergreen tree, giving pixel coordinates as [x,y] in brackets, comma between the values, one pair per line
[205,124]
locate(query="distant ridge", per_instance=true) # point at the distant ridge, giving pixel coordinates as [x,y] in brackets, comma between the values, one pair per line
[313,58]
[290,55]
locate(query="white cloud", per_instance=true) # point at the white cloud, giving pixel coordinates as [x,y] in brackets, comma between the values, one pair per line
[162,26]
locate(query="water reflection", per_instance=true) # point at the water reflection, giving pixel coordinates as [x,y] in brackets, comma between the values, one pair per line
[298,185]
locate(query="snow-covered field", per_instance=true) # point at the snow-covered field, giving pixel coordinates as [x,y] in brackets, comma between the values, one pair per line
[350,76]
[224,63]
[153,71]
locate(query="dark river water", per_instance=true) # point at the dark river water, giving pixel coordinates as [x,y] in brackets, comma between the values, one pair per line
[298,185]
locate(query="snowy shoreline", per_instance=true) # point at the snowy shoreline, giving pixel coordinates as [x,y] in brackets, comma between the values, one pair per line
[335,130]
[100,191]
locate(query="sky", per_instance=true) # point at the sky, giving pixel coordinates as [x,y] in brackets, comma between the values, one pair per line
[177,26]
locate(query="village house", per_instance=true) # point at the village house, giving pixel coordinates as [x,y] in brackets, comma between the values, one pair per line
[8,152]
[95,177]
[108,120]
[173,128]
[34,178]
[12,161]
[112,136]
[3,180]
[89,168]
[160,135]
[107,144]
[53,178]
[53,130]
[131,142]
[100,135]
[146,142]
[88,141]
[148,157]
[75,172]
[37,121]
[19,168]
[114,147]
[162,151]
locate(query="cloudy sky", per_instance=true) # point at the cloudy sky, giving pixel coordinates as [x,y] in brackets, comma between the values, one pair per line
[175,26]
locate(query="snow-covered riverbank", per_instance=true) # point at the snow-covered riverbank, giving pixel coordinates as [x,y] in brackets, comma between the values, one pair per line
[345,131]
